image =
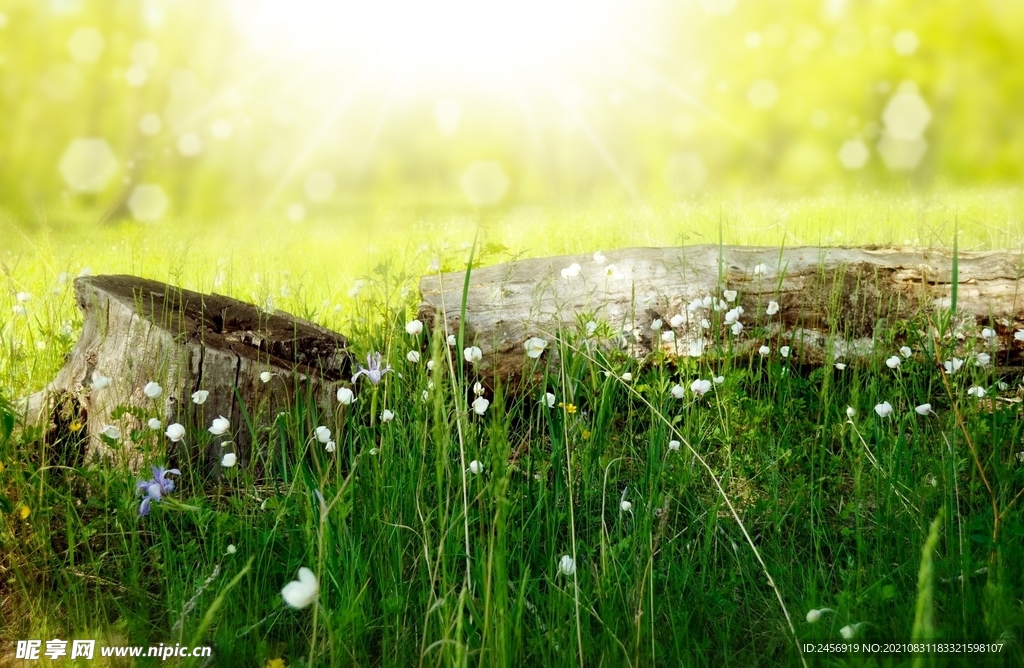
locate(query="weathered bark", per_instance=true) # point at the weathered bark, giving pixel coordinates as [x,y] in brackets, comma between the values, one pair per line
[833,301]
[136,331]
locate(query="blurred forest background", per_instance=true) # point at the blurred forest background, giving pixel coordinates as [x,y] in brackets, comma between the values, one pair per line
[151,109]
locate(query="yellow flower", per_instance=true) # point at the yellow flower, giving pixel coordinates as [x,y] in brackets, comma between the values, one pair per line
[275,663]
[569,408]
[75,426]
[24,512]
[586,433]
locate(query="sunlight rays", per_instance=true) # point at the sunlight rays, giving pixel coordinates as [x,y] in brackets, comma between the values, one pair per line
[342,103]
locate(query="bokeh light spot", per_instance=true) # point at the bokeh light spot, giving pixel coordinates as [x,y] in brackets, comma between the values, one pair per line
[853,154]
[86,45]
[484,183]
[907,114]
[685,173]
[901,154]
[190,144]
[905,42]
[222,129]
[763,94]
[319,186]
[296,213]
[88,164]
[148,202]
[136,75]
[150,124]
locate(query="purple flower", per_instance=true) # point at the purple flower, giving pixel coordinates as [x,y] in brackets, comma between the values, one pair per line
[372,370]
[156,488]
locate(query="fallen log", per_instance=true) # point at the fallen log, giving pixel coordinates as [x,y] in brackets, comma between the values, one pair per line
[832,303]
[137,331]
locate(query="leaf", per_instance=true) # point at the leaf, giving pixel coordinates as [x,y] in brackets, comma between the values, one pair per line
[123,410]
[6,425]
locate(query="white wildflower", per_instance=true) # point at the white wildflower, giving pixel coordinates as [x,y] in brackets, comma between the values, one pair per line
[300,593]
[220,426]
[700,387]
[535,347]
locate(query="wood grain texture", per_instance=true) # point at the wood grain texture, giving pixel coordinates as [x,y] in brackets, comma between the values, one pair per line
[137,330]
[832,301]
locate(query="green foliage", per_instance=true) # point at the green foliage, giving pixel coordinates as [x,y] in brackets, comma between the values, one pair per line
[232,112]
[421,559]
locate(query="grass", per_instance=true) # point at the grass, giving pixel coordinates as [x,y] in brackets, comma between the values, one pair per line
[777,503]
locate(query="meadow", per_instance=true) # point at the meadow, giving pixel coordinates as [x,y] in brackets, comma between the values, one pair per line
[320,156]
[629,517]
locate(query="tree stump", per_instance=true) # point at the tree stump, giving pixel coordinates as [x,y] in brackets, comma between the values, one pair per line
[138,331]
[832,302]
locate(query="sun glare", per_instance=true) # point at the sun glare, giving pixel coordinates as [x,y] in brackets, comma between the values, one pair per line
[452,41]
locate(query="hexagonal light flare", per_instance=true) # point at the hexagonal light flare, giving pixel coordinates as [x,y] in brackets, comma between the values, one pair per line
[484,182]
[148,202]
[901,154]
[854,154]
[907,115]
[88,164]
